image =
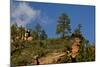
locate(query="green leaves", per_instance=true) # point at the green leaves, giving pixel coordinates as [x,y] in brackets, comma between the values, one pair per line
[43,35]
[13,31]
[23,51]
[38,33]
[63,25]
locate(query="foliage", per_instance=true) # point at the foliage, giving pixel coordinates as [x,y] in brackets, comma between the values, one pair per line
[21,32]
[13,31]
[23,51]
[63,25]
[43,35]
[38,33]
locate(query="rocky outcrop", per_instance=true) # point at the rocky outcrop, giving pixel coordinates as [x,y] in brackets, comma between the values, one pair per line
[50,58]
[75,47]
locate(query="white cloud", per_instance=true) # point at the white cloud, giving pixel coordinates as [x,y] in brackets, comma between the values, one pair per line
[23,14]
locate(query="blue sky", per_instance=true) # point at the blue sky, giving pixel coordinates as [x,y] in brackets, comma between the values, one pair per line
[47,15]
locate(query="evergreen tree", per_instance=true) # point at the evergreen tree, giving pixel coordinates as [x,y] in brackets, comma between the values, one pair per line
[39,33]
[14,31]
[21,32]
[63,25]
[43,35]
[38,30]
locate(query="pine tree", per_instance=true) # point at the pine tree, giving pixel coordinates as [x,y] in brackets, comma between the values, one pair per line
[43,35]
[63,25]
[14,31]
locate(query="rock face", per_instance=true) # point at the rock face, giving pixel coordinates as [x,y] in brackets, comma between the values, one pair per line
[58,57]
[75,47]
[50,58]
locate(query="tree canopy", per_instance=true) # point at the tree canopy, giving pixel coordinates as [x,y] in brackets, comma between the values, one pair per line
[63,25]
